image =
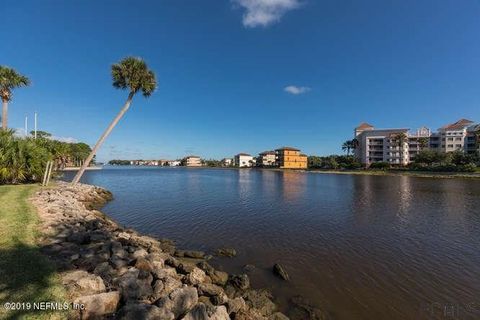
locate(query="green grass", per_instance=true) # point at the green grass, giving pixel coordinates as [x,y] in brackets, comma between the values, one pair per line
[25,274]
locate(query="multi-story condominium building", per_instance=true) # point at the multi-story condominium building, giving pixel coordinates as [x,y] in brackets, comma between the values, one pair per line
[243,160]
[290,158]
[192,161]
[399,146]
[267,159]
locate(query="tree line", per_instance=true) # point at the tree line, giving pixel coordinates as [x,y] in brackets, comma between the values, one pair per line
[23,159]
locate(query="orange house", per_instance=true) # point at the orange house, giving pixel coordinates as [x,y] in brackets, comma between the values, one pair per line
[290,158]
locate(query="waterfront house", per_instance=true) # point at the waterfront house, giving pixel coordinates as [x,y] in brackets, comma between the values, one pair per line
[227,162]
[290,158]
[384,145]
[266,159]
[192,161]
[243,160]
[173,163]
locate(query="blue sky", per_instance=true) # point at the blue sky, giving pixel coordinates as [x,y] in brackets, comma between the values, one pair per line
[223,67]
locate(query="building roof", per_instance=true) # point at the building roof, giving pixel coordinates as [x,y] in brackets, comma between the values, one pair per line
[244,154]
[364,126]
[264,153]
[460,124]
[288,148]
[191,156]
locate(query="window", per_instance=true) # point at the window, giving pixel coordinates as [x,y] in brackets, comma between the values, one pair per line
[450,146]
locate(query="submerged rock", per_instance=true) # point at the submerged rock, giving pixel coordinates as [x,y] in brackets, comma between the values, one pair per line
[226,252]
[280,271]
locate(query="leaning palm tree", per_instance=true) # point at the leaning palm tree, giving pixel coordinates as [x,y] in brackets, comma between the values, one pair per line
[9,80]
[133,74]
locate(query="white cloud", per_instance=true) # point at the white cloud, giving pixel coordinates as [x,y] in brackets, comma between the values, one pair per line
[265,12]
[296,90]
[20,132]
[64,139]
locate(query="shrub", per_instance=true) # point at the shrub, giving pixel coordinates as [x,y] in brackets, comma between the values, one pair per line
[380,165]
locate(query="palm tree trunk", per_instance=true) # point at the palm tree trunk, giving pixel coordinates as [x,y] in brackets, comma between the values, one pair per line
[102,139]
[4,114]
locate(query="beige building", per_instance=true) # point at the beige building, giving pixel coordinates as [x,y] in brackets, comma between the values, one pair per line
[192,161]
[266,159]
[399,146]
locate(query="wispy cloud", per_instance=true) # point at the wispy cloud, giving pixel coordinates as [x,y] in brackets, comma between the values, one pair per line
[20,132]
[296,90]
[265,12]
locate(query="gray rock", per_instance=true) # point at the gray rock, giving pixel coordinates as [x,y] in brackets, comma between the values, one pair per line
[260,300]
[199,312]
[278,316]
[194,254]
[196,276]
[135,285]
[208,289]
[249,268]
[219,277]
[280,271]
[235,305]
[180,301]
[98,305]
[241,282]
[226,252]
[144,312]
[82,283]
[220,313]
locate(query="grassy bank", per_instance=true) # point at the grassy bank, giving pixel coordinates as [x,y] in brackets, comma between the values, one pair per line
[25,274]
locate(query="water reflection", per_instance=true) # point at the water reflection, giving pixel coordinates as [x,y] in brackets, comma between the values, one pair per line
[362,247]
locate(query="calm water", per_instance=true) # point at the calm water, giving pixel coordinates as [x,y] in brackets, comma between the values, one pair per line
[360,247]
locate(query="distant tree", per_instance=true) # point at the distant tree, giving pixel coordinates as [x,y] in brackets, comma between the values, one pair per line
[429,157]
[347,146]
[133,74]
[423,142]
[41,134]
[399,140]
[9,80]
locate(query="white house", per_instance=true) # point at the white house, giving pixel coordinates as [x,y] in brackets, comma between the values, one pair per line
[243,160]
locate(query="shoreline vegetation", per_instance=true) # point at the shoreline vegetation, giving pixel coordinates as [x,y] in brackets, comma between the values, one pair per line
[26,274]
[366,172]
[115,272]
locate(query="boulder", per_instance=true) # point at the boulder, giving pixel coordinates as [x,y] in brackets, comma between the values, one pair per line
[249,268]
[194,254]
[278,316]
[144,312]
[135,285]
[219,277]
[196,276]
[279,270]
[82,283]
[199,312]
[220,313]
[180,301]
[208,289]
[98,305]
[260,300]
[226,252]
[241,282]
[236,305]
[143,264]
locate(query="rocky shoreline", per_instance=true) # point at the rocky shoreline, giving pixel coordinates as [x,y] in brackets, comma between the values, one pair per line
[117,273]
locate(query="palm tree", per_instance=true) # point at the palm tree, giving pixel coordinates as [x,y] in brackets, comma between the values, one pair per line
[400,139]
[347,146]
[9,80]
[133,74]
